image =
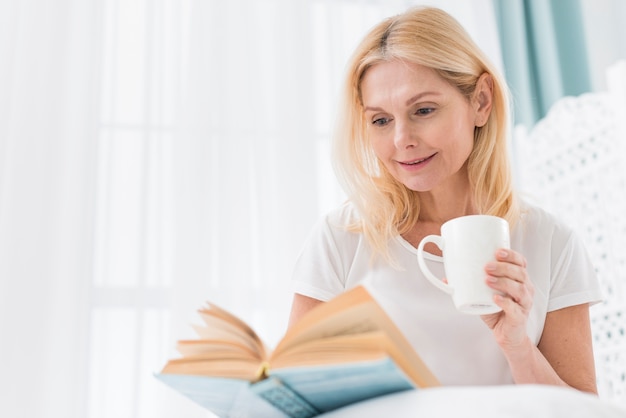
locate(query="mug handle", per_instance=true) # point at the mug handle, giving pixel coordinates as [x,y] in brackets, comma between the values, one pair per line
[438,241]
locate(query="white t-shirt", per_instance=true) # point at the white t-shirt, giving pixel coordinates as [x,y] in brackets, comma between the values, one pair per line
[460,349]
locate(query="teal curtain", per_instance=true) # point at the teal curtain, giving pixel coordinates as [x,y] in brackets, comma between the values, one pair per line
[544,53]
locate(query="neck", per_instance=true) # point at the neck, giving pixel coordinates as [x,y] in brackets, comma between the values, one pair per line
[445,203]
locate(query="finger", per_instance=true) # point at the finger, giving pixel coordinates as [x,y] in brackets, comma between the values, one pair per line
[519,292]
[510,256]
[506,270]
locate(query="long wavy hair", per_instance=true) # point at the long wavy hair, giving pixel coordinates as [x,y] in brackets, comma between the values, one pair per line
[432,38]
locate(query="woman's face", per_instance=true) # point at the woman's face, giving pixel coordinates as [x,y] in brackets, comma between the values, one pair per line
[421,127]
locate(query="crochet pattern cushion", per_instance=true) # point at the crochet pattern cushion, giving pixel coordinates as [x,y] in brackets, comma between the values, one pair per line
[572,164]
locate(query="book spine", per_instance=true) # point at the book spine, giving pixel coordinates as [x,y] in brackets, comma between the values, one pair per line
[280,395]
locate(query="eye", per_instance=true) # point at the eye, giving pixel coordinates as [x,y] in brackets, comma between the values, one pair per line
[381,121]
[424,111]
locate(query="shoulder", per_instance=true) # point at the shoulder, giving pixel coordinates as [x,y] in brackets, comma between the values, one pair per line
[342,216]
[340,222]
[542,237]
[334,232]
[324,263]
[548,241]
[536,223]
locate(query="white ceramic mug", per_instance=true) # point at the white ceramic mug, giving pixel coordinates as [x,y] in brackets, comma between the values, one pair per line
[468,243]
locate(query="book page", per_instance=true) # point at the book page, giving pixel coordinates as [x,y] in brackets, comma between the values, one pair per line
[352,313]
[234,368]
[217,330]
[339,349]
[215,349]
[221,325]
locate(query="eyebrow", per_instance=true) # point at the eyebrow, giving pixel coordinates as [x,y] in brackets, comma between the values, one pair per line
[407,103]
[420,95]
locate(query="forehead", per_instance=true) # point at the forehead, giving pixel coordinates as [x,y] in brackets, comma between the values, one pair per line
[396,79]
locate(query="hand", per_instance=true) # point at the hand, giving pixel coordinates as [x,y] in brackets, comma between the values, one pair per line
[508,276]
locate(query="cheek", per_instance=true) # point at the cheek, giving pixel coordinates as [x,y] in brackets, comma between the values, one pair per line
[380,146]
[463,137]
[384,156]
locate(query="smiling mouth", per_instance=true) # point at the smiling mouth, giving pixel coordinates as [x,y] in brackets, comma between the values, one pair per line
[416,162]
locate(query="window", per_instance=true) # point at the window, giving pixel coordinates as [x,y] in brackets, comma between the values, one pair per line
[140,82]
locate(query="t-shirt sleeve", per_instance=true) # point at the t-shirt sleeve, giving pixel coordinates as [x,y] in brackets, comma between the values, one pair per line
[319,271]
[574,280]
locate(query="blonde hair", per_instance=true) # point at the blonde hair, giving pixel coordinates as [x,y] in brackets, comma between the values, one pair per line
[432,38]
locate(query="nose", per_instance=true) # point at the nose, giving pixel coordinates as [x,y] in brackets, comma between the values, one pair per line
[404,136]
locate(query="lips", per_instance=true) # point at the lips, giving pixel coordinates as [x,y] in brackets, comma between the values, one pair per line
[417,161]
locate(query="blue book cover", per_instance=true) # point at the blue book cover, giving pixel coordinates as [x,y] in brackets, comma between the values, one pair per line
[226,398]
[342,352]
[328,387]
[297,392]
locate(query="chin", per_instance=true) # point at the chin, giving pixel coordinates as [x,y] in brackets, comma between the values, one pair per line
[417,187]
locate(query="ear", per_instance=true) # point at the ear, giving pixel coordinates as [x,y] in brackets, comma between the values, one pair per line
[482,99]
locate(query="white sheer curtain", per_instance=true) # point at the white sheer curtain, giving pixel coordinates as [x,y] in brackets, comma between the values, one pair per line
[155,154]
[47,179]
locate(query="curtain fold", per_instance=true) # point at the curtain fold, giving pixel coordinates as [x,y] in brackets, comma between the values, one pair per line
[544,53]
[47,160]
[604,35]
[244,159]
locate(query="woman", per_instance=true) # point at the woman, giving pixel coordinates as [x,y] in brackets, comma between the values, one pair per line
[422,139]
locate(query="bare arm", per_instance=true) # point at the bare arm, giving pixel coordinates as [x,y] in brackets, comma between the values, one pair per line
[564,355]
[566,344]
[301,305]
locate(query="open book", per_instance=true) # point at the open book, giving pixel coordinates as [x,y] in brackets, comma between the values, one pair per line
[341,352]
